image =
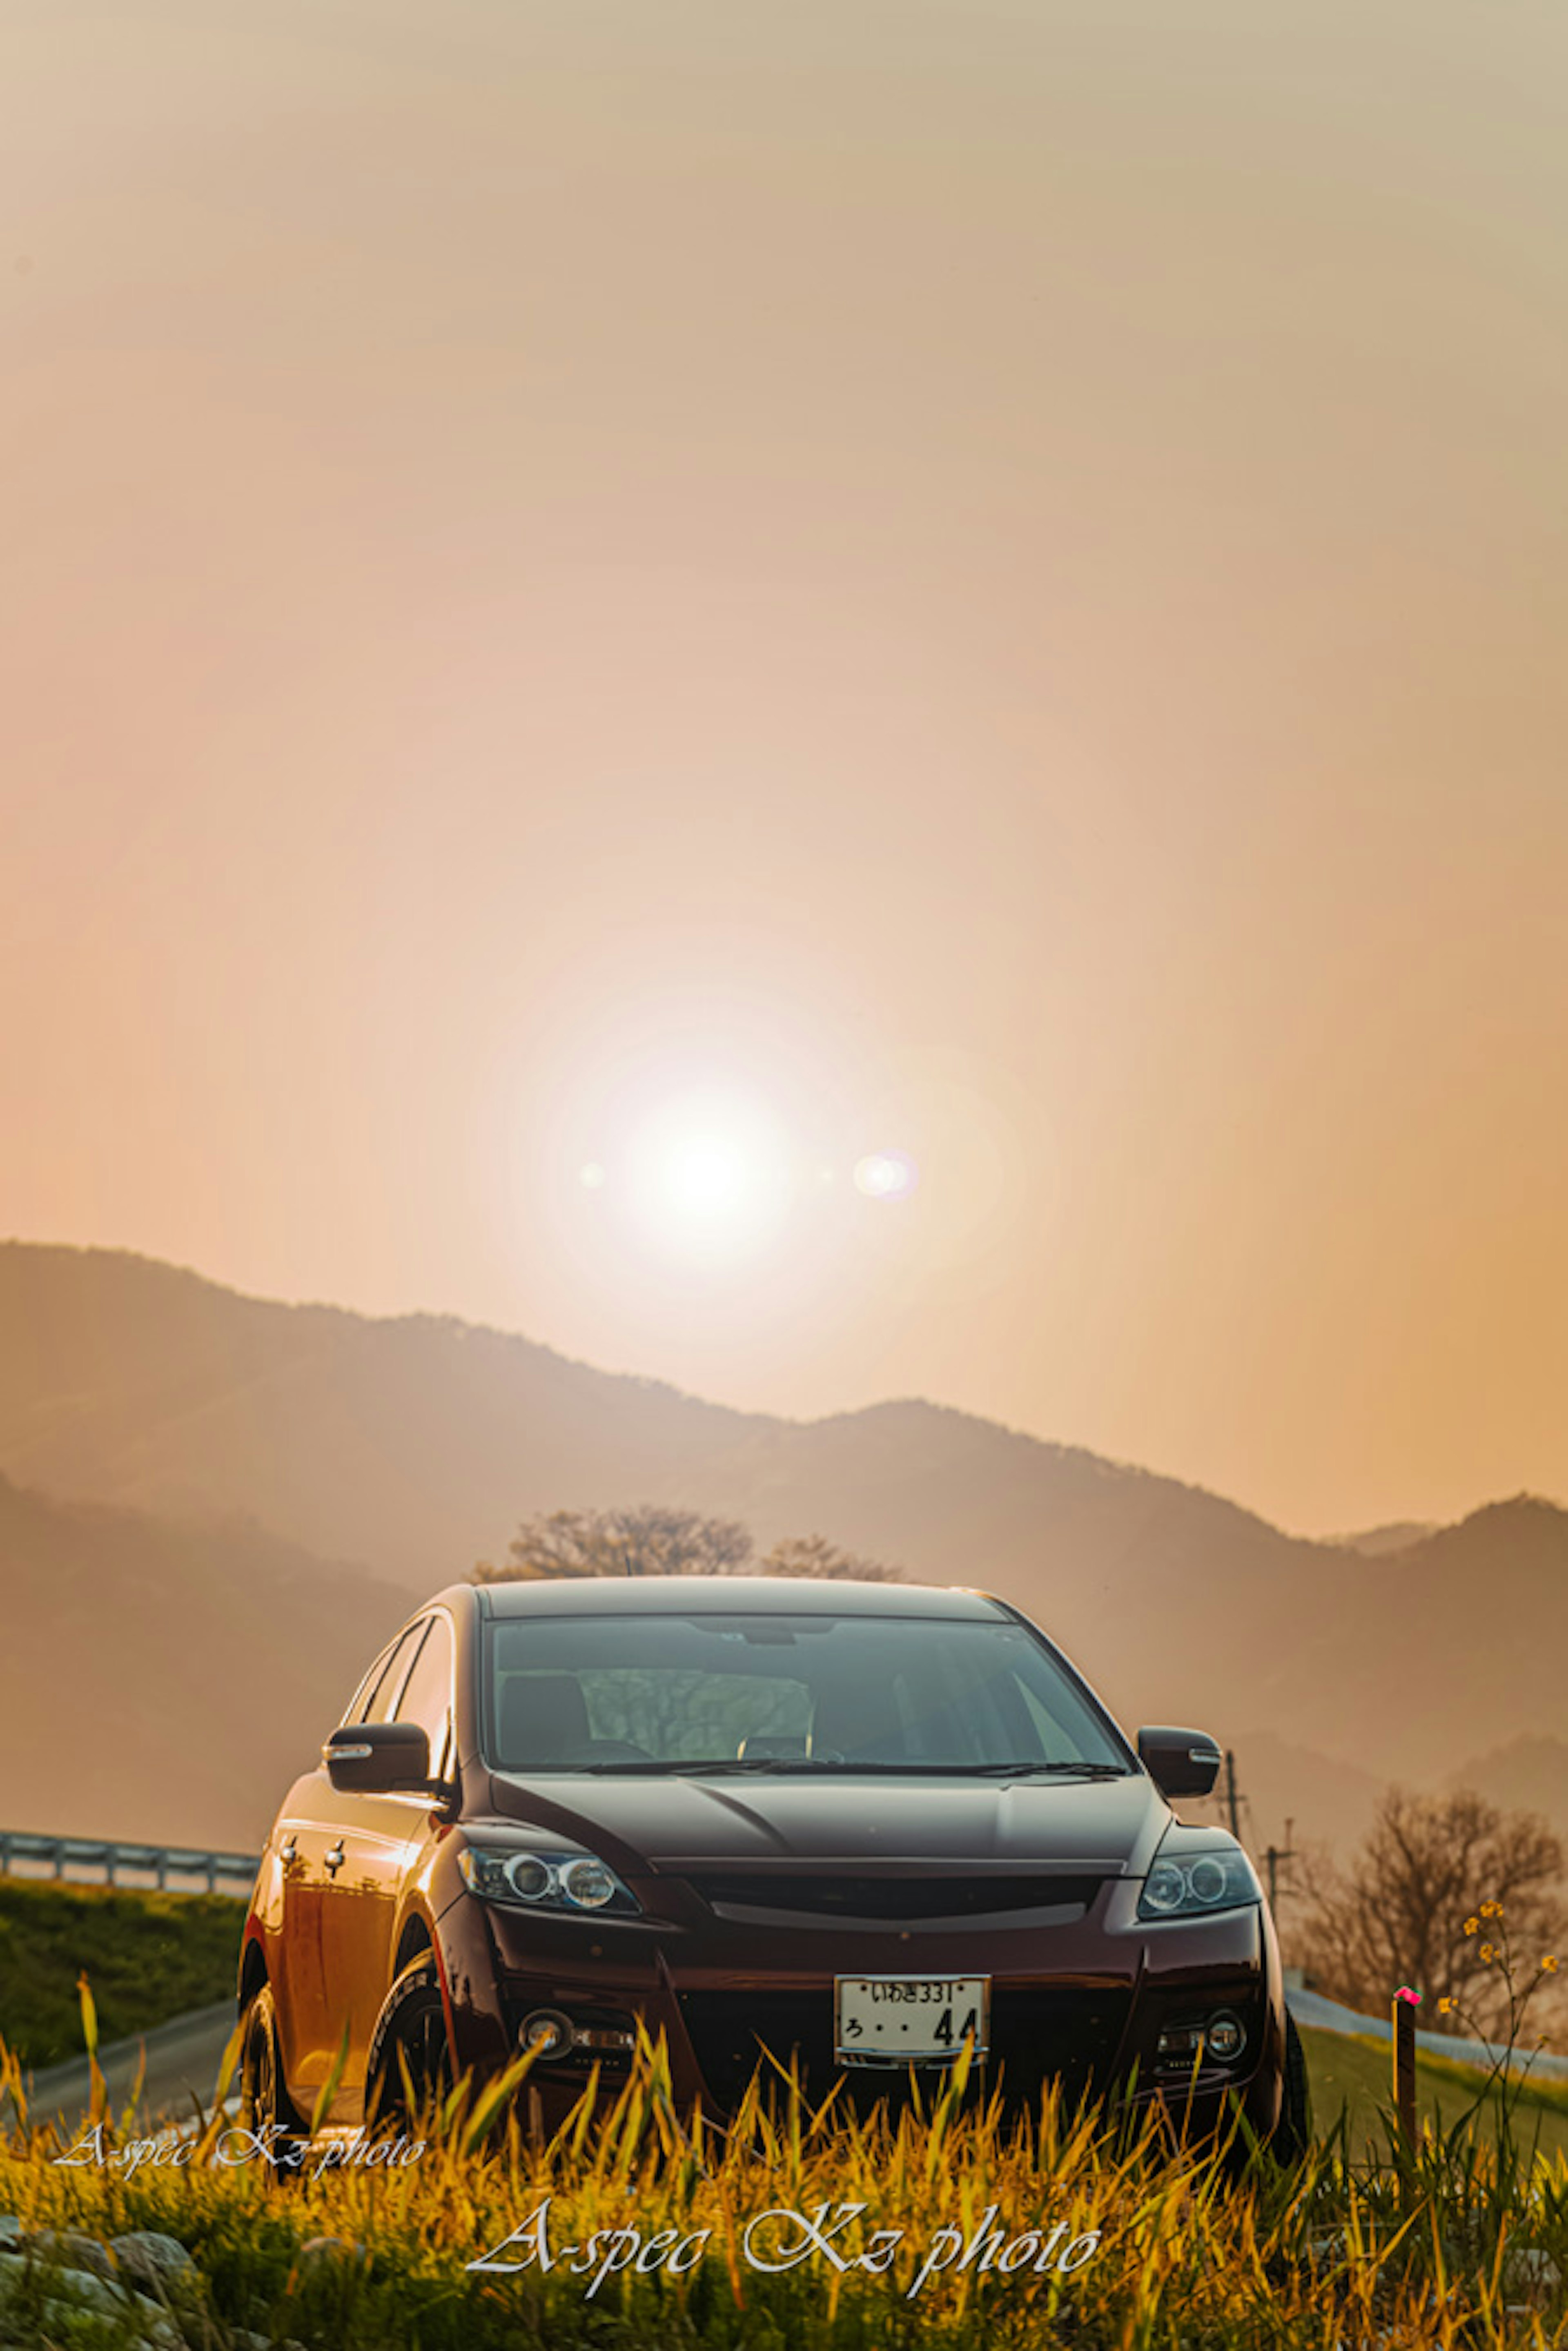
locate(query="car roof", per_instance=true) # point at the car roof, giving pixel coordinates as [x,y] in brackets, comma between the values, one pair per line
[730,1595]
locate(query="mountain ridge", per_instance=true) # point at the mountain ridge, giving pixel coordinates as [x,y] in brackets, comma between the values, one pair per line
[407,1447]
[347,1320]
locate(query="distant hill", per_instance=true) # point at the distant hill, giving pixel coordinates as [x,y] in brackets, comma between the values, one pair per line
[1294,1796]
[1447,1649]
[1296,1799]
[1529,1774]
[404,1449]
[1376,1543]
[165,1683]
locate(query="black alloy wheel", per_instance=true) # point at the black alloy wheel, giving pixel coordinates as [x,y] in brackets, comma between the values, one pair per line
[1293,2132]
[410,2036]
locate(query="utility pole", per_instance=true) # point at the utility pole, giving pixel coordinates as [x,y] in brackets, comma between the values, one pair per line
[1275,1855]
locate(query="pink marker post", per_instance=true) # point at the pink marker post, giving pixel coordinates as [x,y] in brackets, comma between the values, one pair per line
[1407,2001]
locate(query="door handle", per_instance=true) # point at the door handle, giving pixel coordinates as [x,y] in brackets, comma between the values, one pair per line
[288,1851]
[335,1859]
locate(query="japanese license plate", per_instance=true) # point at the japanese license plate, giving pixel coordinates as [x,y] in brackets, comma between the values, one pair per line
[909,2019]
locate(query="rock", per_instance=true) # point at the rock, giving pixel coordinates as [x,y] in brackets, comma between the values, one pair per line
[81,2304]
[86,2289]
[149,2258]
[71,2247]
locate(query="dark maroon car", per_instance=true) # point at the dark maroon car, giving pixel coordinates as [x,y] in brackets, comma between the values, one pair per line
[856,1825]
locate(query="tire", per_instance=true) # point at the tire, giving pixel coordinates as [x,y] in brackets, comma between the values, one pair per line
[411,2026]
[265,2103]
[1293,2133]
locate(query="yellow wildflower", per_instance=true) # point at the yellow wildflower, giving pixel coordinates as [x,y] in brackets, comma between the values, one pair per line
[1472,1926]
[1492,1910]
[1446,2007]
[1489,1953]
[1549,1965]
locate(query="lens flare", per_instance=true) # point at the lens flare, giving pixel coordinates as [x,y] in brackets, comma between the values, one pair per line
[886,1175]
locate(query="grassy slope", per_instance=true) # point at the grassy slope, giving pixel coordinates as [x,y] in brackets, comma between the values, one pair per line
[1186,2261]
[148,1956]
[1175,2256]
[1352,2075]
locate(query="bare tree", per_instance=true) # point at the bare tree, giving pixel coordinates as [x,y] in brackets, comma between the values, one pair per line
[656,1539]
[1398,1914]
[815,1555]
[648,1539]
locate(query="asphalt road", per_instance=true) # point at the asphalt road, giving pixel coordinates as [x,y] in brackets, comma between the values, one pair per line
[182,2060]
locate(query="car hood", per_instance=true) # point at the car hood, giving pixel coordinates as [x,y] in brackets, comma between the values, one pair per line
[1104,1827]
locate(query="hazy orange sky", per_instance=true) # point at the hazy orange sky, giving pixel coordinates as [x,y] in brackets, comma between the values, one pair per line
[987,581]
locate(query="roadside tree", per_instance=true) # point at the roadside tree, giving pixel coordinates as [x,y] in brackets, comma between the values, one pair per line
[1399,1913]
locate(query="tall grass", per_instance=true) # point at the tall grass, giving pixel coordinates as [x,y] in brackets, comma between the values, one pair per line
[1452,2242]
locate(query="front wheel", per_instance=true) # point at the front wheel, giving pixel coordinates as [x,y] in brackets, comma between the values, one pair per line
[1293,2130]
[408,2050]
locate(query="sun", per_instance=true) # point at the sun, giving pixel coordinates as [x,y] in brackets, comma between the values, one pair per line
[716,1175]
[709,1175]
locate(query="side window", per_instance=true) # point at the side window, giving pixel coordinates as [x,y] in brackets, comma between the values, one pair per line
[427,1694]
[381,1706]
[355,1710]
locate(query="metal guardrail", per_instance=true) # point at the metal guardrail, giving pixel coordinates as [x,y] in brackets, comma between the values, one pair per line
[1331,2016]
[80,1857]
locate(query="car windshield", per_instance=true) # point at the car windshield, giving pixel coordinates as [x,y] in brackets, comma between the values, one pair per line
[780,1693]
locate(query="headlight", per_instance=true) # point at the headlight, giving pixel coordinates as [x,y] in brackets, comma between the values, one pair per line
[1198,1883]
[571,1882]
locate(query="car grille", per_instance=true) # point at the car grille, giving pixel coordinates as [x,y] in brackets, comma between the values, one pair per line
[901,1899]
[1038,2034]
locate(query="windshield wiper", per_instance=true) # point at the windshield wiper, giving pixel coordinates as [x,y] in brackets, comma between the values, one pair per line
[780,1765]
[656,1767]
[757,1764]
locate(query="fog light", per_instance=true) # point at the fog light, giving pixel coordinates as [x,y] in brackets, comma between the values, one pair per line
[1179,2045]
[546,2030]
[1218,2041]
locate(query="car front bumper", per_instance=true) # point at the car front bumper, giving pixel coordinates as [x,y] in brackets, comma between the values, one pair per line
[1083,2002]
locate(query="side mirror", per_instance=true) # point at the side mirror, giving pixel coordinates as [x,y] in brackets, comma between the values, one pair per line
[1180,1763]
[370,1759]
